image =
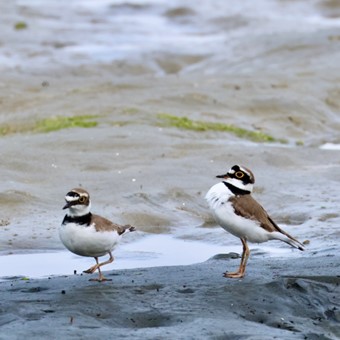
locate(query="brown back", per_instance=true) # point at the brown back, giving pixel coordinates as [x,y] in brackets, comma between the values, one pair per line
[103,224]
[248,207]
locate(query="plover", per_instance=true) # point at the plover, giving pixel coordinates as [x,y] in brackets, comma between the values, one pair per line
[236,211]
[86,234]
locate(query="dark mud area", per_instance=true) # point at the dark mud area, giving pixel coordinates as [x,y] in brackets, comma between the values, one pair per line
[277,299]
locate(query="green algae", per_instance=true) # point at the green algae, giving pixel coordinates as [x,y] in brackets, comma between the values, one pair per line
[50,124]
[62,122]
[6,130]
[198,125]
[20,25]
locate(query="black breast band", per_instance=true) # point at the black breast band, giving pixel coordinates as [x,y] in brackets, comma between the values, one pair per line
[236,191]
[85,219]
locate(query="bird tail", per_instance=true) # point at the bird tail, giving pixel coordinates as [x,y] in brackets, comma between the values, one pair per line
[126,228]
[288,239]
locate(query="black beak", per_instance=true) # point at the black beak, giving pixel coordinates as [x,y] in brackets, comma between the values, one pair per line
[222,176]
[67,205]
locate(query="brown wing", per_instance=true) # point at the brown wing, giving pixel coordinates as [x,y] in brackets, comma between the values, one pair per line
[103,224]
[247,206]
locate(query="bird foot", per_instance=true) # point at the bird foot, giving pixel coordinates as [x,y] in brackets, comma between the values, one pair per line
[100,279]
[91,270]
[235,275]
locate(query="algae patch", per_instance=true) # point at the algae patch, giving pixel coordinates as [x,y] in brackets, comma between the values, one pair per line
[60,122]
[20,25]
[198,125]
[10,129]
[50,124]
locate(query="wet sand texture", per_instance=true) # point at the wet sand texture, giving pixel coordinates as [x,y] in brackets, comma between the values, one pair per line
[277,299]
[270,67]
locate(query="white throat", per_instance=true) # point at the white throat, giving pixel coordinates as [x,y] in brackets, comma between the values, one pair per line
[79,210]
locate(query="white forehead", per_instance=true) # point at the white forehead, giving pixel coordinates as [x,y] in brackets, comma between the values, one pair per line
[71,198]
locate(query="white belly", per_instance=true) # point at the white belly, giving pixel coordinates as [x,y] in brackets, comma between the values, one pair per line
[218,200]
[239,226]
[86,241]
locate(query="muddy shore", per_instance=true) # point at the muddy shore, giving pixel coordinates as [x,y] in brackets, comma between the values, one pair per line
[278,299]
[271,68]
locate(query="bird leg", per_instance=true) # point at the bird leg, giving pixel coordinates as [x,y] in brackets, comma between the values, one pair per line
[93,268]
[101,277]
[97,266]
[241,271]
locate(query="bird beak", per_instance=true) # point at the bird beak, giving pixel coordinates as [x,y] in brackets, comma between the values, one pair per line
[223,176]
[67,205]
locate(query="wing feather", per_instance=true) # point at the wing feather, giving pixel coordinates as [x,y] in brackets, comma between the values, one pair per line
[248,207]
[103,224]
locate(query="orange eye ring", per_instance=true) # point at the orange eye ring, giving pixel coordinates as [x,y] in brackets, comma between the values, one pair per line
[239,174]
[82,199]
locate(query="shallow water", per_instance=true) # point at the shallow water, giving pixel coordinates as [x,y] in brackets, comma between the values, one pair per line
[151,251]
[269,67]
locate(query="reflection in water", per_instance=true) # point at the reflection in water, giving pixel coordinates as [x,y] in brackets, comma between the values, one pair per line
[152,251]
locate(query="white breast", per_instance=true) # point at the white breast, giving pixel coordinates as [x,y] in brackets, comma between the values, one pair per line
[86,241]
[224,214]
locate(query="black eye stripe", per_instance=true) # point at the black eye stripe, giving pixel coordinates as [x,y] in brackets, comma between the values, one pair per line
[240,175]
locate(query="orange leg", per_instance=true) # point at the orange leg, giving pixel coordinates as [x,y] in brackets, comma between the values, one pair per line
[97,266]
[242,269]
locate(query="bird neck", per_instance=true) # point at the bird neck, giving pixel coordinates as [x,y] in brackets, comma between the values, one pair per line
[236,190]
[79,210]
[84,219]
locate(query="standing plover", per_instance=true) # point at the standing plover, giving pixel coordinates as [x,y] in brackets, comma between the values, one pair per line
[86,234]
[236,211]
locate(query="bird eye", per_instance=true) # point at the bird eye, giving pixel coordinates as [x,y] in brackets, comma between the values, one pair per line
[239,174]
[82,199]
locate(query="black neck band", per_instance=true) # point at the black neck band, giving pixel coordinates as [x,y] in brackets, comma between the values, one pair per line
[85,219]
[236,191]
